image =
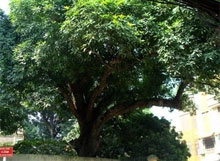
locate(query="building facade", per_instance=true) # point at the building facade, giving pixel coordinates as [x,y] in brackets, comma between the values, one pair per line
[202,130]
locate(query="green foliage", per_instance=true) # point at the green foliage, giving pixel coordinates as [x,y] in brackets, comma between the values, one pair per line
[48,116]
[49,147]
[144,49]
[11,118]
[47,124]
[189,50]
[65,41]
[15,106]
[73,133]
[6,144]
[138,135]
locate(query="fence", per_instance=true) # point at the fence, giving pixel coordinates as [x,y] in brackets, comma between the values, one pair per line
[27,157]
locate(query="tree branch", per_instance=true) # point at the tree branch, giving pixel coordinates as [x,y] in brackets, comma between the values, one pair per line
[108,69]
[70,100]
[178,3]
[72,95]
[98,90]
[48,125]
[181,90]
[210,7]
[126,107]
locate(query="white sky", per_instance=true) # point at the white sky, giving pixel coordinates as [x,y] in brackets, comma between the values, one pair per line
[4,5]
[158,111]
[165,112]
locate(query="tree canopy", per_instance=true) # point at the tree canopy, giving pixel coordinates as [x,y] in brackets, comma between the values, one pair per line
[208,7]
[106,58]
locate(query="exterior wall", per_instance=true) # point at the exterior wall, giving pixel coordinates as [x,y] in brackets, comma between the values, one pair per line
[205,124]
[53,158]
[188,125]
[11,139]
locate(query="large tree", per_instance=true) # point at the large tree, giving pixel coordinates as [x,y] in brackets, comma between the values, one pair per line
[108,57]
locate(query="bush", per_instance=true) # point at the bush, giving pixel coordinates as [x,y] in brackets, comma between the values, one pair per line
[50,147]
[137,135]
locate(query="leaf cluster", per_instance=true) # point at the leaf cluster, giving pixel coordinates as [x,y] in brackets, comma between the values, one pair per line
[49,147]
[138,135]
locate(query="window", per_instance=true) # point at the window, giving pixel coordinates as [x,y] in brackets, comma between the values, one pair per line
[209,142]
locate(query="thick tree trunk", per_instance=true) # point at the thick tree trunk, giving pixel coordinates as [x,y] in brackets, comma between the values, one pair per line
[91,118]
[87,144]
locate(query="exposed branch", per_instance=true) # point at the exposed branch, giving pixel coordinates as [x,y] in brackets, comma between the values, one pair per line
[98,90]
[70,101]
[48,125]
[180,90]
[108,69]
[126,107]
[72,95]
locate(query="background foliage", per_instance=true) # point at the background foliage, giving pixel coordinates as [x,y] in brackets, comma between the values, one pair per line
[11,118]
[137,135]
[50,147]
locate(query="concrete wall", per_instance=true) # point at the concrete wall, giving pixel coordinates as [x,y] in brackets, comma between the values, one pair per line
[25,157]
[11,139]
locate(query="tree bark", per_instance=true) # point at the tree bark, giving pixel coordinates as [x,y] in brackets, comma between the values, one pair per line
[91,117]
[87,144]
[49,126]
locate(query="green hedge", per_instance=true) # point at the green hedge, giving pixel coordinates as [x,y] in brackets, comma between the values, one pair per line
[50,147]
